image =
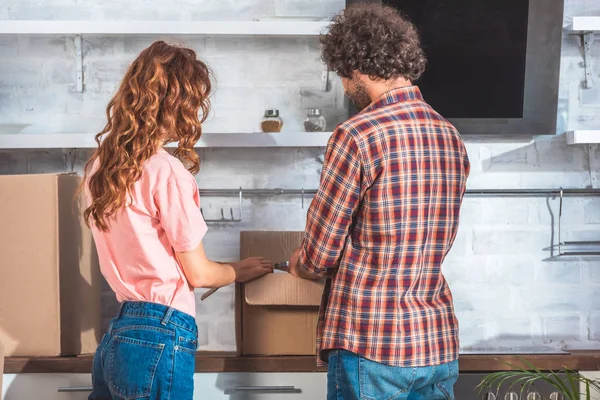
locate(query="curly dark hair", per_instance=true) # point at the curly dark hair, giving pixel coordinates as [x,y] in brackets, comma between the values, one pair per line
[375,40]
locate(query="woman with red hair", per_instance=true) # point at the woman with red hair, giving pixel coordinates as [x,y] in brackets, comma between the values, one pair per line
[143,209]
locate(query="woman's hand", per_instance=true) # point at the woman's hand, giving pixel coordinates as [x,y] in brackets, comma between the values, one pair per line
[251,268]
[203,273]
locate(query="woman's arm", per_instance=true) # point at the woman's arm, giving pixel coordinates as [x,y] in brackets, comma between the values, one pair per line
[178,206]
[203,273]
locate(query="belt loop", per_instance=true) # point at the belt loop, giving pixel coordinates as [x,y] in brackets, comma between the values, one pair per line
[167,316]
[120,312]
[112,321]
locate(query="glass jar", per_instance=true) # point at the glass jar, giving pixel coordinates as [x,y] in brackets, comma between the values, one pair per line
[315,121]
[271,122]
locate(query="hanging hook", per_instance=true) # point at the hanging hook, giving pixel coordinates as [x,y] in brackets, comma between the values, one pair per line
[560,210]
[231,217]
[240,199]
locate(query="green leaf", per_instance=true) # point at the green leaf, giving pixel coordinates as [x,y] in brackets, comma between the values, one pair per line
[588,395]
[568,385]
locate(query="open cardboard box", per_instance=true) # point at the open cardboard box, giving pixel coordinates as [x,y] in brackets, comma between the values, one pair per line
[277,313]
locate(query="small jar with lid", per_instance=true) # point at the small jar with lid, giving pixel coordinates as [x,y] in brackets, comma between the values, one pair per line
[271,122]
[315,121]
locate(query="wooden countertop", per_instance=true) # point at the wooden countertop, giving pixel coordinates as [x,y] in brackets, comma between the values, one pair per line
[229,362]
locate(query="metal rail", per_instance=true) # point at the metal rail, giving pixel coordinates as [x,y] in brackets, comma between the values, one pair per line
[558,192]
[469,192]
[241,193]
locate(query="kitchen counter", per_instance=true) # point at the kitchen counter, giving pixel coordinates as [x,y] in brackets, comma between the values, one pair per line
[229,362]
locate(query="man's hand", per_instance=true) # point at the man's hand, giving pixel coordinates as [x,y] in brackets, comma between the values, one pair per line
[294,259]
[297,270]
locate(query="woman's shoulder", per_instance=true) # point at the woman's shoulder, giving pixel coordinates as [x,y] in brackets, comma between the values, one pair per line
[164,167]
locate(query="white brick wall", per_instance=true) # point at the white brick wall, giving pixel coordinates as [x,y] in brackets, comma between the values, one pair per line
[508,290]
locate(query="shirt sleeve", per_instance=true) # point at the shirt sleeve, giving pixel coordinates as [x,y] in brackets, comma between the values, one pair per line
[179,213]
[331,212]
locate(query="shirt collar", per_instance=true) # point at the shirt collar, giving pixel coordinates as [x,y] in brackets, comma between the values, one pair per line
[407,93]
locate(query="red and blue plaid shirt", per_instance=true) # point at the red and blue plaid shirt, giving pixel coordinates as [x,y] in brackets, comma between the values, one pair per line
[379,227]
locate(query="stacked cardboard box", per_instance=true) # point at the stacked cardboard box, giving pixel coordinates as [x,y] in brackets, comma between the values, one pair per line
[276,314]
[49,275]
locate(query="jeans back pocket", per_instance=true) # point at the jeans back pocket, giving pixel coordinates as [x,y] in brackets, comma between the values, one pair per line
[382,382]
[131,366]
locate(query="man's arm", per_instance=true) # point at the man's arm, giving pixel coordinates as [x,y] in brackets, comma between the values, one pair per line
[331,212]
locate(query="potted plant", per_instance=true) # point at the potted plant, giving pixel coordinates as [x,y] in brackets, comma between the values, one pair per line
[567,382]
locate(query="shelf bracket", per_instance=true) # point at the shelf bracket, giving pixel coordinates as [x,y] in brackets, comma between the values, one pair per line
[79,62]
[325,80]
[587,39]
[69,159]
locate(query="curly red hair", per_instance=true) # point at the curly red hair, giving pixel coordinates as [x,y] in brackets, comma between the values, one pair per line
[163,98]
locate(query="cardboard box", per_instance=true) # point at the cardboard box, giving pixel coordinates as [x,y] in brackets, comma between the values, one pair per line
[49,276]
[276,314]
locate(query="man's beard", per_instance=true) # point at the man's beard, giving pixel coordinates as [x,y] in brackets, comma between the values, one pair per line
[357,92]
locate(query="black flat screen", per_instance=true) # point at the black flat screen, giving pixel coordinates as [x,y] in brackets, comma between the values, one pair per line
[476,51]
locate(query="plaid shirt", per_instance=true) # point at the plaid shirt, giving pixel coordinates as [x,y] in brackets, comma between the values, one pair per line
[379,227]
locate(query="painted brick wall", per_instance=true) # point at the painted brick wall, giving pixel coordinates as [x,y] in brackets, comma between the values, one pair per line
[509,290]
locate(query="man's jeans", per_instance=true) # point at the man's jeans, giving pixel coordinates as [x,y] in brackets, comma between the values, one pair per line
[352,377]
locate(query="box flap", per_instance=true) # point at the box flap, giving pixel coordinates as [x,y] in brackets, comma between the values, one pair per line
[282,289]
[278,288]
[274,246]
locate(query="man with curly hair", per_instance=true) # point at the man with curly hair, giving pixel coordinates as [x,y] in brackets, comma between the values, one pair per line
[385,216]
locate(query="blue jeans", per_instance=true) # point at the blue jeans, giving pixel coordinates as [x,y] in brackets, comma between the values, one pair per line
[352,377]
[148,353]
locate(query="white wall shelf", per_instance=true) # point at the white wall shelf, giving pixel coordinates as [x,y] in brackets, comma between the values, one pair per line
[243,140]
[585,24]
[283,27]
[583,137]
[105,28]
[586,27]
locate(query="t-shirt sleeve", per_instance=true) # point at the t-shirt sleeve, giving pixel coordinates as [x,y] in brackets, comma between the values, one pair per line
[179,213]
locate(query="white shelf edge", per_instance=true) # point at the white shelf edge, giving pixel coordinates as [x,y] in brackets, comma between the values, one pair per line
[239,140]
[583,137]
[585,24]
[275,28]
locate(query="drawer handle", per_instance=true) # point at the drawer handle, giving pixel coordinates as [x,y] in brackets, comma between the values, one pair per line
[266,389]
[75,389]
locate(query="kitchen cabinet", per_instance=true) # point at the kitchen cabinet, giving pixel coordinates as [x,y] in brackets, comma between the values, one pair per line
[43,386]
[259,386]
[210,386]
[595,375]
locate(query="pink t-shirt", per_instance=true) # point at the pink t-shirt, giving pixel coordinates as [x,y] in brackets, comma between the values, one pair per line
[137,253]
